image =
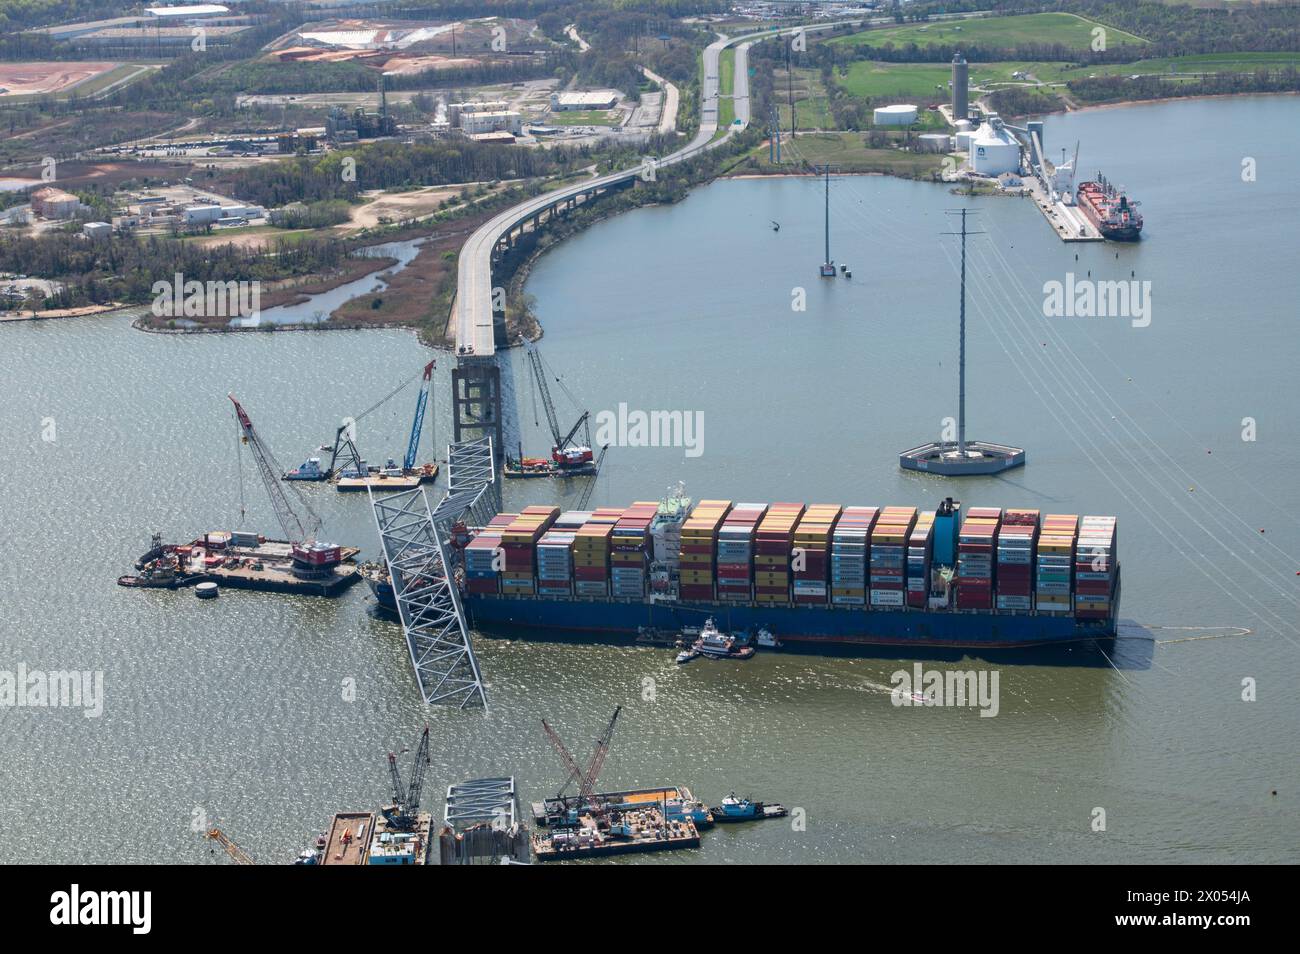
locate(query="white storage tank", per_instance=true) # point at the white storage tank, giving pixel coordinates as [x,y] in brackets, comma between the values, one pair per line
[897,115]
[992,154]
[934,142]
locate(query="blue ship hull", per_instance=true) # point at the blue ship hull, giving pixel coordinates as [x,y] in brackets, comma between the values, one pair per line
[801,626]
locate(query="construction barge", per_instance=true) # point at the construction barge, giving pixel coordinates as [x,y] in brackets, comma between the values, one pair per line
[247,561]
[632,832]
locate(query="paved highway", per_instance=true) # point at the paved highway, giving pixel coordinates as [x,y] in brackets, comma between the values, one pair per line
[473,309]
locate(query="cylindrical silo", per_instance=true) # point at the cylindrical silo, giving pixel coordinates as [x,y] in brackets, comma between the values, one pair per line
[960,81]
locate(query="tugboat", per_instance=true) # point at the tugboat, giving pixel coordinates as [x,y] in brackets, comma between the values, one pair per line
[719,645]
[735,809]
[162,573]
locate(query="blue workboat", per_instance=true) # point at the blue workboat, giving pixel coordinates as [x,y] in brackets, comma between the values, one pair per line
[735,809]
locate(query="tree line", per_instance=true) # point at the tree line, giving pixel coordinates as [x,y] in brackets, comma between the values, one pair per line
[124,268]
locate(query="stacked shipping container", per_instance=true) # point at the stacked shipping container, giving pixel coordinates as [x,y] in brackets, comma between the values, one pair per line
[736,551]
[920,553]
[699,543]
[809,557]
[519,545]
[889,556]
[850,544]
[1055,564]
[976,546]
[1016,549]
[630,551]
[482,574]
[1094,568]
[773,541]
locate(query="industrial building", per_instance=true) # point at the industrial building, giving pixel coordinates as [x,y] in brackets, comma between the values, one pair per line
[456,110]
[472,124]
[188,11]
[898,115]
[595,99]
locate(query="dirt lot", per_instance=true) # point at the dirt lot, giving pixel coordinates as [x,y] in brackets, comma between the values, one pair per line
[396,207]
[26,79]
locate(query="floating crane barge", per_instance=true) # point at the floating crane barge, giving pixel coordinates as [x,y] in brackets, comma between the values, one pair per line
[299,564]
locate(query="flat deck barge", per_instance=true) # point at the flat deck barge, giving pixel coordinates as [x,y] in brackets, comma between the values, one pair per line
[348,841]
[637,831]
[548,811]
[408,480]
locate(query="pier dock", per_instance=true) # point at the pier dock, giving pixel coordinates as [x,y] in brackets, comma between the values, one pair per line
[1067,221]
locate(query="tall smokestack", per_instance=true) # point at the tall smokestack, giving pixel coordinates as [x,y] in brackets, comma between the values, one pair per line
[960,84]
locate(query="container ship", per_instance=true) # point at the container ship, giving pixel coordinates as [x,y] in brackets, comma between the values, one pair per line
[809,574]
[1110,210]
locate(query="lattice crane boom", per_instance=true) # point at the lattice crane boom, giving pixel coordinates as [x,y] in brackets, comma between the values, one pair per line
[535,360]
[296,529]
[413,447]
[417,775]
[237,854]
[590,489]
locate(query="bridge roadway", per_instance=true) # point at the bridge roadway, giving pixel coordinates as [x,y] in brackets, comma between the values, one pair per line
[473,318]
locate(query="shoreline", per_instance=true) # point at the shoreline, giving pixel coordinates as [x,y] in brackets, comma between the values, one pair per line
[1171,99]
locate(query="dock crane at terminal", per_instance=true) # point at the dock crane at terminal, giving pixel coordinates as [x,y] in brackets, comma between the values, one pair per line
[587,777]
[568,458]
[402,815]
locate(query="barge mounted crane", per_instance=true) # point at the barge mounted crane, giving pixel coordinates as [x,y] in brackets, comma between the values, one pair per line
[568,458]
[349,470]
[240,559]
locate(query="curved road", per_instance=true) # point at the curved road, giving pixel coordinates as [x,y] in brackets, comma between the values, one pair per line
[473,309]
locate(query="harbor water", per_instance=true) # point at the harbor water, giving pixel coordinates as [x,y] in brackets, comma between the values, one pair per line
[264,714]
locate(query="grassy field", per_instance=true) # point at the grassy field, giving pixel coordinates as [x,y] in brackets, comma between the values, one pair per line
[584,117]
[726,86]
[1197,64]
[849,152]
[929,82]
[926,82]
[811,104]
[1064,28]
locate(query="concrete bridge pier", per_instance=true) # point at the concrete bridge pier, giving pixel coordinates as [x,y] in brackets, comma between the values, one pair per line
[476,401]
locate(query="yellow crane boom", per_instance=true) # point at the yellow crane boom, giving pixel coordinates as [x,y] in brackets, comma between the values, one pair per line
[240,856]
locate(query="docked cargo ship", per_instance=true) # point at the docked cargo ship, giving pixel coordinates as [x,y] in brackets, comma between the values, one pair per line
[1113,213]
[808,574]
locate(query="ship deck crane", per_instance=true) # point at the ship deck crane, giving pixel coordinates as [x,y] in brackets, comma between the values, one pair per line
[406,800]
[297,529]
[586,778]
[239,855]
